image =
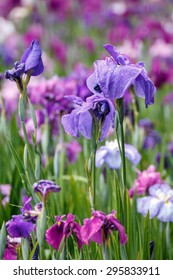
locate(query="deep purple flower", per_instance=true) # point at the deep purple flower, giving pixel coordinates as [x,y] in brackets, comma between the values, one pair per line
[146,124]
[30,63]
[152,137]
[63,229]
[167,157]
[159,203]
[80,120]
[113,77]
[110,154]
[18,227]
[100,226]
[22,225]
[44,187]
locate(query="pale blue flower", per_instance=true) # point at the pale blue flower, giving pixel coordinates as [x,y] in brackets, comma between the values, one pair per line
[159,203]
[110,154]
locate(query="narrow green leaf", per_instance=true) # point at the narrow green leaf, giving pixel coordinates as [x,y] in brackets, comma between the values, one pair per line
[41,226]
[3,235]
[146,246]
[25,248]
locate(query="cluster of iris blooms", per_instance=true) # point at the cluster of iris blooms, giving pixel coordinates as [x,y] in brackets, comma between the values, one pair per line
[92,118]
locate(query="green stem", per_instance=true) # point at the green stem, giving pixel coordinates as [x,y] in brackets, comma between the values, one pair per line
[120,112]
[28,146]
[123,154]
[93,159]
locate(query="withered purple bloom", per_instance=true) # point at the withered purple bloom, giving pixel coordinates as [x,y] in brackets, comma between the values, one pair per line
[113,77]
[30,64]
[63,229]
[96,108]
[100,226]
[44,187]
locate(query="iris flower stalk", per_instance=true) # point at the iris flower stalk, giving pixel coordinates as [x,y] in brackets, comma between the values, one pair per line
[91,118]
[120,118]
[29,65]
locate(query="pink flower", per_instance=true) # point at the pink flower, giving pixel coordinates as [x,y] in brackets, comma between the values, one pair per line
[145,180]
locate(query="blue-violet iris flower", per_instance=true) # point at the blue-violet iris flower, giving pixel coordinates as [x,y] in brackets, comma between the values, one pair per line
[110,154]
[100,226]
[63,229]
[30,64]
[44,187]
[80,120]
[113,76]
[159,203]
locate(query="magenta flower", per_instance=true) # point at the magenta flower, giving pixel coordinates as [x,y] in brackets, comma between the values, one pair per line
[80,120]
[44,187]
[145,180]
[30,64]
[100,226]
[12,245]
[63,229]
[159,203]
[113,77]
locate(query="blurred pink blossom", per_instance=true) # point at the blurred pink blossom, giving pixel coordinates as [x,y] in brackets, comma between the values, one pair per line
[145,180]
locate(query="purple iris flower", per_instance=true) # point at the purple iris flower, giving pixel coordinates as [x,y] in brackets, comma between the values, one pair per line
[159,203]
[110,154]
[44,187]
[30,64]
[113,77]
[22,225]
[80,120]
[63,229]
[100,226]
[18,227]
[152,137]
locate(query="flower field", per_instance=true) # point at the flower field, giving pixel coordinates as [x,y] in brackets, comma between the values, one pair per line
[86,144]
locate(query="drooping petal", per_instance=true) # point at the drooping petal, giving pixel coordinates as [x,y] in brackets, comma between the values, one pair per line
[85,125]
[54,235]
[100,156]
[77,231]
[70,123]
[90,228]
[166,212]
[121,230]
[150,204]
[145,89]
[132,154]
